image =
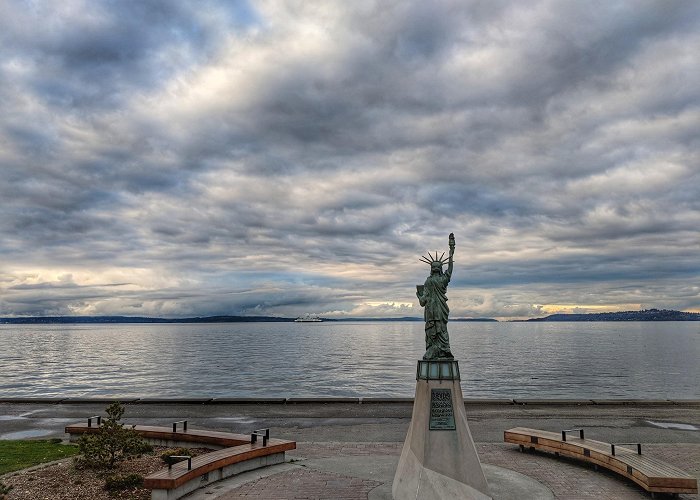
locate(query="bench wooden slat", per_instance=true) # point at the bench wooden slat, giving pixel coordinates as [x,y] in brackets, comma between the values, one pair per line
[650,473]
[180,468]
[655,472]
[577,445]
[203,464]
[225,439]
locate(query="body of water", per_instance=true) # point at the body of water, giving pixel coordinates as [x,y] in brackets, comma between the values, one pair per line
[651,360]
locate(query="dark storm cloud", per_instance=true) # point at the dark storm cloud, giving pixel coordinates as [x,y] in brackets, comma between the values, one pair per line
[284,157]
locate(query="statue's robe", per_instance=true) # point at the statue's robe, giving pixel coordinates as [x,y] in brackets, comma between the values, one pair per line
[434,299]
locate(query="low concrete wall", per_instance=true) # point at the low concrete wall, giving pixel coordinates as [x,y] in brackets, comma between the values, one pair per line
[358,400]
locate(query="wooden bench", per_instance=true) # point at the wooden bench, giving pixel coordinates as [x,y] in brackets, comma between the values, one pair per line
[654,475]
[237,453]
[179,480]
[166,436]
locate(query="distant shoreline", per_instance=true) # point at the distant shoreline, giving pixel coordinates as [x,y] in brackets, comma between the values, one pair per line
[53,320]
[644,315]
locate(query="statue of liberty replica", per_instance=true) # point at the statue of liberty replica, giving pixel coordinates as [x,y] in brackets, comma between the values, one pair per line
[439,459]
[433,297]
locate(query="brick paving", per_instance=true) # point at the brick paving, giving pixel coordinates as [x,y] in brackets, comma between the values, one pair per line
[304,484]
[326,450]
[574,480]
[568,479]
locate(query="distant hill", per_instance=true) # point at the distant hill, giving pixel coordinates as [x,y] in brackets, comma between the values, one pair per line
[644,315]
[137,319]
[407,318]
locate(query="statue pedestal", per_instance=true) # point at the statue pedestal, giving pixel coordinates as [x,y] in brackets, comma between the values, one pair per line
[439,459]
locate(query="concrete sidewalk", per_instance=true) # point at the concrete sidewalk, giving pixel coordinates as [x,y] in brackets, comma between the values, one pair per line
[348,450]
[365,471]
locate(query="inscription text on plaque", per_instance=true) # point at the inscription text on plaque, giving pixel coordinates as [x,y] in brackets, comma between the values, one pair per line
[442,417]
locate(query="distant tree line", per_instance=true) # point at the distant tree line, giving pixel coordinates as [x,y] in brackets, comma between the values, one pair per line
[643,315]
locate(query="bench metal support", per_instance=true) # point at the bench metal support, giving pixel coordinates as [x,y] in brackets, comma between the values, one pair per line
[264,433]
[638,445]
[99,420]
[184,425]
[563,433]
[181,457]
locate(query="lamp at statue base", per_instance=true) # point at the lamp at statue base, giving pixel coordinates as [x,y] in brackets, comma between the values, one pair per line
[439,459]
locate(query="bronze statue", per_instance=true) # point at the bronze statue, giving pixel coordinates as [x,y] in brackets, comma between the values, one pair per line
[433,297]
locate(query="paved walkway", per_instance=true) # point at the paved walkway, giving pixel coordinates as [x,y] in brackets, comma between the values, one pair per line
[364,471]
[303,483]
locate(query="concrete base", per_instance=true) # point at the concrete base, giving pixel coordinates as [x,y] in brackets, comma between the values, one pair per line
[439,463]
[504,484]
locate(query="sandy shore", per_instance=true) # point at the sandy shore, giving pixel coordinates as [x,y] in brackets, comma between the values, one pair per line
[385,420]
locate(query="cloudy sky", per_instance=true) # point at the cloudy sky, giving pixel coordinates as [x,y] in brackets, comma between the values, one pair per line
[179,158]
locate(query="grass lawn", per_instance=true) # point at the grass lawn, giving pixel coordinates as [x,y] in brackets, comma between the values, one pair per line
[15,455]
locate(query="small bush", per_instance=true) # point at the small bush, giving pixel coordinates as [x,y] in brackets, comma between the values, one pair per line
[112,443]
[165,456]
[139,447]
[123,482]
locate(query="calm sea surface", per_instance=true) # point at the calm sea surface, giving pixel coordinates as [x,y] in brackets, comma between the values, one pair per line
[497,360]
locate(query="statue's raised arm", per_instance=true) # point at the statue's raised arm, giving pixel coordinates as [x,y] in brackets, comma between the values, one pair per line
[450,262]
[433,297]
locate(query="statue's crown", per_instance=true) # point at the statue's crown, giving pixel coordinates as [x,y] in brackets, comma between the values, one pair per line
[431,260]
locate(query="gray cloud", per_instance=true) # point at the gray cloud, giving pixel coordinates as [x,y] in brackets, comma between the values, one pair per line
[283,157]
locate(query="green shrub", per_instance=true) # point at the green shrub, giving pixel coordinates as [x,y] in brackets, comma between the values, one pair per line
[112,443]
[123,482]
[165,456]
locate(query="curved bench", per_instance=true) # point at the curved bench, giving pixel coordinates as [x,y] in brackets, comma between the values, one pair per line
[654,475]
[166,436]
[179,480]
[237,453]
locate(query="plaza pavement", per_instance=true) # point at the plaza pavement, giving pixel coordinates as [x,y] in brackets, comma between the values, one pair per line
[347,450]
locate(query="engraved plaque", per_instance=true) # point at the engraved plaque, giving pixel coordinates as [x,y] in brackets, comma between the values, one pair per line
[442,416]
